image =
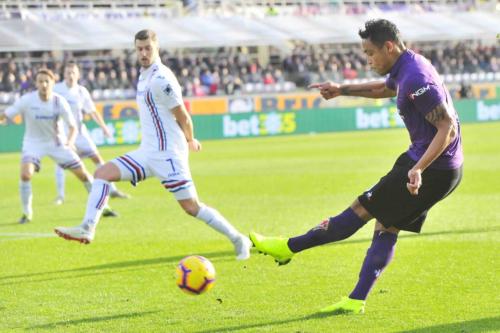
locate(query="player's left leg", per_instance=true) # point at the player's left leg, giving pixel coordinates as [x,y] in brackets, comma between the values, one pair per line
[175,176]
[86,148]
[334,229]
[378,256]
[218,222]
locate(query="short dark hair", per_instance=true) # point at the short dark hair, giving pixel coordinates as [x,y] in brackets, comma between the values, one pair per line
[380,31]
[146,34]
[47,72]
[71,64]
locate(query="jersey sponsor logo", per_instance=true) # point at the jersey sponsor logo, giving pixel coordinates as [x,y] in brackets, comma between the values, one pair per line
[42,117]
[419,92]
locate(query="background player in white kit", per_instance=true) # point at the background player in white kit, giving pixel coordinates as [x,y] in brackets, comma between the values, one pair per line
[81,103]
[167,137]
[43,112]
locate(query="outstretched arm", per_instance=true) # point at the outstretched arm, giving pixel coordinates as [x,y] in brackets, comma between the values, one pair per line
[184,120]
[376,89]
[441,118]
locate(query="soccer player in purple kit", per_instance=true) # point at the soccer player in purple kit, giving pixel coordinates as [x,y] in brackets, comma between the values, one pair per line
[426,173]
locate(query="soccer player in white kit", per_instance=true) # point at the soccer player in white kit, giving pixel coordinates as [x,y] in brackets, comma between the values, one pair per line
[81,103]
[43,112]
[167,137]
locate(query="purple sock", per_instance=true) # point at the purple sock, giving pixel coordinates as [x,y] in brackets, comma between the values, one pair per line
[334,229]
[378,256]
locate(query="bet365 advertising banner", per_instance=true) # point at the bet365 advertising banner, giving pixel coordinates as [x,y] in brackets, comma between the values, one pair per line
[126,130]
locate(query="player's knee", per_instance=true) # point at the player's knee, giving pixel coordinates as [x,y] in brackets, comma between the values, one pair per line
[191,210]
[361,211]
[190,206]
[26,176]
[102,173]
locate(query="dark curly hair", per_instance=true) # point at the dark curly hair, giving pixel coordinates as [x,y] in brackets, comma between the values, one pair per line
[380,31]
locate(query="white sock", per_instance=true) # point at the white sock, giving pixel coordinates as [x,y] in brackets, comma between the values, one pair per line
[215,220]
[97,201]
[60,179]
[26,197]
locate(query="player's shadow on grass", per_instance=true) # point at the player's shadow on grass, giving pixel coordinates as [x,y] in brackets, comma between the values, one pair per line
[90,320]
[490,324]
[105,268]
[10,224]
[270,323]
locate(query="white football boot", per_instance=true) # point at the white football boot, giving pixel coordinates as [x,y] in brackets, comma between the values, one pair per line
[82,233]
[242,247]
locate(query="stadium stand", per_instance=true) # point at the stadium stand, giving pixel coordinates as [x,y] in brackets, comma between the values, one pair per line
[236,47]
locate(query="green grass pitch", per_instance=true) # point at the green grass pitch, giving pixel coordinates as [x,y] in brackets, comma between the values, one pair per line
[445,280]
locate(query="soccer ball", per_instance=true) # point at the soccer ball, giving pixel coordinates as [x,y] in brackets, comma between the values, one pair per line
[195,275]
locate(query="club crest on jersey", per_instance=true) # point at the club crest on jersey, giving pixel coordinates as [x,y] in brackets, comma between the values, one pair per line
[322,226]
[168,89]
[419,92]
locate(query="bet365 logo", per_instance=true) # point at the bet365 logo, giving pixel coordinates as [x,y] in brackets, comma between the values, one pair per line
[272,123]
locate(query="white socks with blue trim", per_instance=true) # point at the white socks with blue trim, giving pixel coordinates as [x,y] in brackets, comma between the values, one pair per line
[97,201]
[215,220]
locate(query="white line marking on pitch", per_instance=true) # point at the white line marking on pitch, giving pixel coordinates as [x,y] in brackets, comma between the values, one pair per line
[9,236]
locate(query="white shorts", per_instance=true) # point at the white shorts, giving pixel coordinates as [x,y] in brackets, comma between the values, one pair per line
[172,171]
[85,147]
[62,155]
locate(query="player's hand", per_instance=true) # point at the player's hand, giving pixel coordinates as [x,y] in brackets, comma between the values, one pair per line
[415,181]
[194,145]
[327,89]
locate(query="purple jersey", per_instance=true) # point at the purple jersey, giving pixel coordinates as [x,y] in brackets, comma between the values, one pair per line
[419,90]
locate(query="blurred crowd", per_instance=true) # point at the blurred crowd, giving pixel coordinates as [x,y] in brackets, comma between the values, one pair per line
[228,71]
[313,63]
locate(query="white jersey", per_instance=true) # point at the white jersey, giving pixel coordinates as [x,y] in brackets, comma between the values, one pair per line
[43,120]
[158,91]
[79,100]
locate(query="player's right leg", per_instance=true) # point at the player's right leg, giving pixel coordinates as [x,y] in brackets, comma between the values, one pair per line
[331,230]
[87,148]
[130,167]
[29,165]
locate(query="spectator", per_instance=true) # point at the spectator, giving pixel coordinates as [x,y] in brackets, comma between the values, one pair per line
[465,91]
[113,82]
[229,71]
[25,84]
[9,82]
